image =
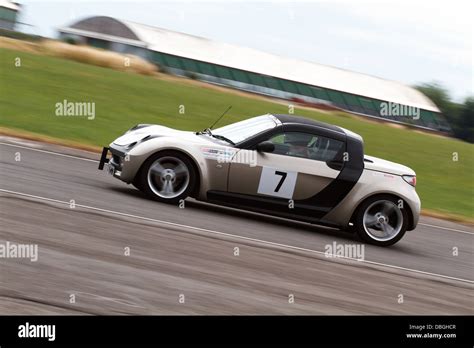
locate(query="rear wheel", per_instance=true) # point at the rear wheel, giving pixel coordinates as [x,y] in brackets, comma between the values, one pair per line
[167,176]
[381,220]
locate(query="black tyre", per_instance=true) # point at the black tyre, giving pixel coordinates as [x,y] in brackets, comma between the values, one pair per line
[381,220]
[167,176]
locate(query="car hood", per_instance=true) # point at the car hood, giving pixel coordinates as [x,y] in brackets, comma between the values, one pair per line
[156,130]
[381,165]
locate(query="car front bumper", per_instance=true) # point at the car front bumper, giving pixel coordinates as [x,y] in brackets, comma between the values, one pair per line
[113,165]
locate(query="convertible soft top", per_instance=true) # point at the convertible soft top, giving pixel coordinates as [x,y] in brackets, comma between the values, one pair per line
[283,118]
[292,119]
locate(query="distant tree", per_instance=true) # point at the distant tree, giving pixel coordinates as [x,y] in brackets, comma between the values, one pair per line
[70,41]
[459,116]
[466,120]
[437,93]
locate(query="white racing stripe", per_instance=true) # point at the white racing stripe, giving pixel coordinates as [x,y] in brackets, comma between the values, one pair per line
[91,160]
[291,247]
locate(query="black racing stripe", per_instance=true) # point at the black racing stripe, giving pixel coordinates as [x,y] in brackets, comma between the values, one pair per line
[333,194]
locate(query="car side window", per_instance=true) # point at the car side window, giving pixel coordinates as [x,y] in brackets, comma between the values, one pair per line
[306,145]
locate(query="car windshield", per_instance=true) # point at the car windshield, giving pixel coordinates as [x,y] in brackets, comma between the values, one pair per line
[243,130]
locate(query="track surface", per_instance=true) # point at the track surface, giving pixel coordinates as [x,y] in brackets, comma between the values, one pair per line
[190,252]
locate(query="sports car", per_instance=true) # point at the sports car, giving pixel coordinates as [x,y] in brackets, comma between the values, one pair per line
[281,165]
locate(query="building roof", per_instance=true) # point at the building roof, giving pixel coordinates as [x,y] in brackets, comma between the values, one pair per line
[252,60]
[10,5]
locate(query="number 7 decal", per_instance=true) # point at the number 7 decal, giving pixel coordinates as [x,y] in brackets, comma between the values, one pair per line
[278,183]
[283,177]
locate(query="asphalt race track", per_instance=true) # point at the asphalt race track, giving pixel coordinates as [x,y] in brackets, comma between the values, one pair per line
[182,261]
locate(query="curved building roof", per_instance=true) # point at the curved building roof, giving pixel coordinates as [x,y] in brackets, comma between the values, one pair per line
[252,60]
[10,5]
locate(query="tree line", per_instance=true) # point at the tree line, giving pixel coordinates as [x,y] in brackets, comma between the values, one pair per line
[460,116]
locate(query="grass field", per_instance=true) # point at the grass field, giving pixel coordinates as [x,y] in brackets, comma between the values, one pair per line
[29,93]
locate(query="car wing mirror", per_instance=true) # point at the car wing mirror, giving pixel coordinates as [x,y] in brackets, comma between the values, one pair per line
[266,146]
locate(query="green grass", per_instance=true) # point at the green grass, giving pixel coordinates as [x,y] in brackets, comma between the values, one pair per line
[28,95]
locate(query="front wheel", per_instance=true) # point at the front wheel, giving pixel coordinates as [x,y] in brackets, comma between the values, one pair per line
[381,220]
[167,176]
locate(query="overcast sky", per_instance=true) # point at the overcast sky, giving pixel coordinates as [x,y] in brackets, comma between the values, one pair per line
[408,41]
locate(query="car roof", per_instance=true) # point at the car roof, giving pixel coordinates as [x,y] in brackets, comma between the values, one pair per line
[306,121]
[284,118]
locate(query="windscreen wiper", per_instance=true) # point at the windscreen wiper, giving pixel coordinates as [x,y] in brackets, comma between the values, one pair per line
[217,136]
[221,137]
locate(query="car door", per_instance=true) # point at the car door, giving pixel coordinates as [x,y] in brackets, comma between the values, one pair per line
[294,172]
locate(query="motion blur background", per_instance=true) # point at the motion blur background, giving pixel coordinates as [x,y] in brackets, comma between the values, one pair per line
[180,64]
[74,75]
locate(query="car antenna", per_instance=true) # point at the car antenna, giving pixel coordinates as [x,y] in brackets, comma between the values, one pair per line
[225,112]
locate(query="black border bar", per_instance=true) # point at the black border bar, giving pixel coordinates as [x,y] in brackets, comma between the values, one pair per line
[287,330]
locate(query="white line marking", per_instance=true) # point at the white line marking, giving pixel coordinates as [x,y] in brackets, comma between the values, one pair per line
[446,228]
[91,160]
[50,152]
[236,236]
[23,142]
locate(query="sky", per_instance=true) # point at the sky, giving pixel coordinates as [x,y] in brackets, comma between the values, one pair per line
[411,42]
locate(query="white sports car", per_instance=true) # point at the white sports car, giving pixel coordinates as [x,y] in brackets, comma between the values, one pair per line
[280,165]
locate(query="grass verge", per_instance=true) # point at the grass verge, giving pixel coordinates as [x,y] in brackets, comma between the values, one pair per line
[29,93]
